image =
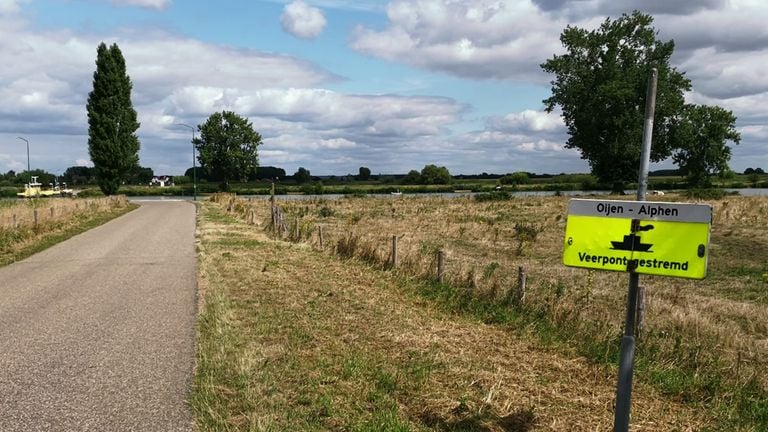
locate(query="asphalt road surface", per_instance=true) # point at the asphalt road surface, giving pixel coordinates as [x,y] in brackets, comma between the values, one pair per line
[97,333]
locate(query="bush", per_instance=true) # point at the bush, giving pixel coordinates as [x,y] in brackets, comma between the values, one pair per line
[493,196]
[326,211]
[705,193]
[515,178]
[8,192]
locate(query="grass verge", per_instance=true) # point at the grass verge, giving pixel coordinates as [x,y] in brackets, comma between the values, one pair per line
[22,242]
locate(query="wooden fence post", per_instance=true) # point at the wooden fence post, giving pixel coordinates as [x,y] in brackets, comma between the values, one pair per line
[297,232]
[35,215]
[440,265]
[320,235]
[394,251]
[520,290]
[274,220]
[51,212]
[14,220]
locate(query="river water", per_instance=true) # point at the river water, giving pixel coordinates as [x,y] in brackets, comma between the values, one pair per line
[743,192]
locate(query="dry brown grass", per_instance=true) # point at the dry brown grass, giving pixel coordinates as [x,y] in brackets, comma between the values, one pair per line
[718,323]
[480,241]
[21,213]
[296,339]
[21,235]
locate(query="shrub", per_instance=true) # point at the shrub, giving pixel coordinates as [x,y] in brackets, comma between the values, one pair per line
[326,211]
[493,196]
[515,178]
[705,193]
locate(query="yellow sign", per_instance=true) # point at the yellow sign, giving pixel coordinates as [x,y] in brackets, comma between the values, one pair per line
[668,239]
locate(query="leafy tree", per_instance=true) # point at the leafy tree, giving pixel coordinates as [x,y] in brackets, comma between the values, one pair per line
[600,85]
[749,171]
[727,174]
[302,175]
[701,133]
[364,173]
[759,171]
[227,147]
[140,175]
[199,173]
[182,180]
[78,175]
[43,177]
[268,172]
[433,174]
[413,177]
[112,121]
[515,178]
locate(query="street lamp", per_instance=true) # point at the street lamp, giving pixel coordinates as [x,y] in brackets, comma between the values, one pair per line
[29,170]
[194,158]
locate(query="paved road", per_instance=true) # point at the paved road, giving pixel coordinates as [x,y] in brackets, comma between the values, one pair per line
[97,333]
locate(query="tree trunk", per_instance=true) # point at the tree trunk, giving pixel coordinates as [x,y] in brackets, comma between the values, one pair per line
[618,188]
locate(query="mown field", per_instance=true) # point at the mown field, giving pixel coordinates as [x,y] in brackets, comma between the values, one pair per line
[294,337]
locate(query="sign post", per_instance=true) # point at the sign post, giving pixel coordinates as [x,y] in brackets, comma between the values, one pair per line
[669,239]
[627,359]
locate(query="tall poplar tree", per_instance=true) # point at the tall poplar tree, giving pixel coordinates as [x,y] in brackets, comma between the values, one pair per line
[112,121]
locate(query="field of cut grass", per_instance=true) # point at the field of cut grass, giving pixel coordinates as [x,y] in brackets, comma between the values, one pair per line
[30,226]
[704,343]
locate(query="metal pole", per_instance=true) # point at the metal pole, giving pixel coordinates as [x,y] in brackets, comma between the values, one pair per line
[194,167]
[194,162]
[645,156]
[29,170]
[627,360]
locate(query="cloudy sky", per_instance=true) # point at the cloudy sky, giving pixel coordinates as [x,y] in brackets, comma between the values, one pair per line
[333,85]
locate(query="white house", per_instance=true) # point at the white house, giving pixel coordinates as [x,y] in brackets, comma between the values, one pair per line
[162,181]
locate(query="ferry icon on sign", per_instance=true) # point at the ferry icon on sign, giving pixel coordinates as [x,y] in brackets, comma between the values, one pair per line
[632,242]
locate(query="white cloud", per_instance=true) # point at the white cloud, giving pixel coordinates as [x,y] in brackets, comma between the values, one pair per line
[47,77]
[577,9]
[354,5]
[302,20]
[529,121]
[10,7]
[149,4]
[467,38]
[541,146]
[361,115]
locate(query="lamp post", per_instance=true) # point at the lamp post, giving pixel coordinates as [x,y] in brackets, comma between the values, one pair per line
[194,161]
[29,170]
